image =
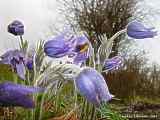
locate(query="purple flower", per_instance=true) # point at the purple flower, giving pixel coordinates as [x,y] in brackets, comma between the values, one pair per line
[12,94]
[112,63]
[16,59]
[82,44]
[82,49]
[59,46]
[81,57]
[16,28]
[137,30]
[92,85]
[29,63]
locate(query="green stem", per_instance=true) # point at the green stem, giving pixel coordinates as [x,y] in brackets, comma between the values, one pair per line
[117,34]
[93,113]
[21,42]
[58,90]
[75,97]
[104,48]
[87,110]
[83,109]
[34,79]
[21,38]
[42,101]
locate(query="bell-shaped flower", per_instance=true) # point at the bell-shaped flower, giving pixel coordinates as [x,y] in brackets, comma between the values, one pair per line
[112,63]
[82,49]
[16,28]
[16,59]
[92,85]
[82,44]
[59,46]
[12,94]
[137,30]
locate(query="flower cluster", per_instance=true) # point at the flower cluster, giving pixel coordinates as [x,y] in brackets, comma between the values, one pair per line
[88,81]
[12,94]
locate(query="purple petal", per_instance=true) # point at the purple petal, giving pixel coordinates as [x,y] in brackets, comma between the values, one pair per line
[9,98]
[9,55]
[91,83]
[16,28]
[112,63]
[12,94]
[80,57]
[87,88]
[82,40]
[29,63]
[82,44]
[16,59]
[137,30]
[9,86]
[82,49]
[57,47]
[99,83]
[20,69]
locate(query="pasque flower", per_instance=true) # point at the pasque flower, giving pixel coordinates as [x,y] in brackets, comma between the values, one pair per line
[82,49]
[59,46]
[112,63]
[12,94]
[137,30]
[82,44]
[73,46]
[17,60]
[92,85]
[16,28]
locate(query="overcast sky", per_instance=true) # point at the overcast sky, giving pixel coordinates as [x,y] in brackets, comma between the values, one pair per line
[152,46]
[38,14]
[35,14]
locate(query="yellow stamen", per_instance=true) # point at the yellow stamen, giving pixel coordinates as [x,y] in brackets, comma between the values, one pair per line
[82,48]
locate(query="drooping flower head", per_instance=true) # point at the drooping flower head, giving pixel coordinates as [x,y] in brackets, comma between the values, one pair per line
[12,94]
[59,46]
[137,30]
[92,85]
[17,60]
[112,63]
[16,28]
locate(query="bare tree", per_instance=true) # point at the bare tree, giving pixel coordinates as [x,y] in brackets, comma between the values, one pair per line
[102,17]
